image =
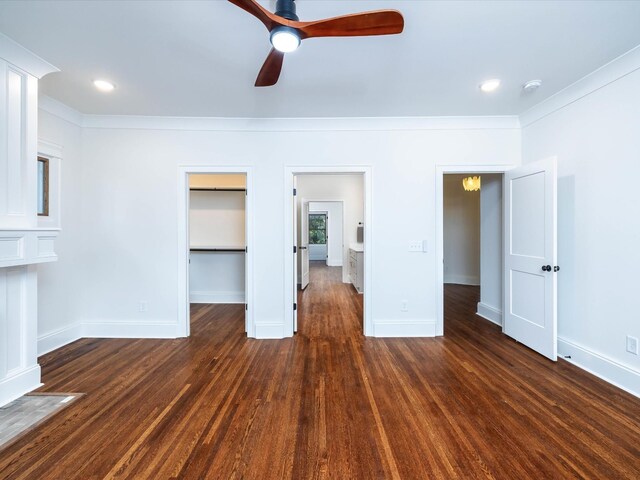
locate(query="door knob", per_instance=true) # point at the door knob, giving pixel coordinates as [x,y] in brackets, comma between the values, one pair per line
[546,268]
[556,268]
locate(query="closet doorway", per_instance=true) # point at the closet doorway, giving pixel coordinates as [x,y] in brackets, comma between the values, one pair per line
[215,252]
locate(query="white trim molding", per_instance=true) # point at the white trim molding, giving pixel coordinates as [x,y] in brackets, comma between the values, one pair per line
[404,328]
[15,386]
[216,297]
[620,67]
[130,329]
[441,170]
[24,59]
[27,247]
[303,124]
[462,279]
[601,366]
[184,313]
[270,331]
[59,338]
[494,315]
[290,171]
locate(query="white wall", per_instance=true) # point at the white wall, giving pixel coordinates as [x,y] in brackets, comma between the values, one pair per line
[461,232]
[490,305]
[217,219]
[596,138]
[347,188]
[129,209]
[60,283]
[335,225]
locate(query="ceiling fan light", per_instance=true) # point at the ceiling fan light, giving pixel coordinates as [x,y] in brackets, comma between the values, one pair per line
[285,39]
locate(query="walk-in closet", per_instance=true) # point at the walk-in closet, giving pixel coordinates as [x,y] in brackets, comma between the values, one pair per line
[217,238]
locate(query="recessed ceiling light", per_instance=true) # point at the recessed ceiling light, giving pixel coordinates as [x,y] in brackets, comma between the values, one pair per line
[532,85]
[490,85]
[103,85]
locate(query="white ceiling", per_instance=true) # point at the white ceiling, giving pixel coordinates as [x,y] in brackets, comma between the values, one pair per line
[201,58]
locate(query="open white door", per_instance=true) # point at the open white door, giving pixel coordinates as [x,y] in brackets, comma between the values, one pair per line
[530,293]
[304,245]
[295,257]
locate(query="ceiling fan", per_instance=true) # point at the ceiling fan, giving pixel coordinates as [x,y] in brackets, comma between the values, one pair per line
[286,31]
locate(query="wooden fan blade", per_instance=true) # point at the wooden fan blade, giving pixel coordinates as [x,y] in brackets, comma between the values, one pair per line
[269,19]
[378,22]
[270,71]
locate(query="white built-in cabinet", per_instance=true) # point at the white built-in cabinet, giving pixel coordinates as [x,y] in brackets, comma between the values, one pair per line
[23,244]
[356,267]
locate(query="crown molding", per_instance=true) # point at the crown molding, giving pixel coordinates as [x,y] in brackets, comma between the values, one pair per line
[300,124]
[616,69]
[24,59]
[59,109]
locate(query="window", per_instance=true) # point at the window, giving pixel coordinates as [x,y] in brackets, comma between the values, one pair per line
[317,229]
[43,186]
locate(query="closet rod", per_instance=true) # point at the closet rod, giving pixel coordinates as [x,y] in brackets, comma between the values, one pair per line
[216,189]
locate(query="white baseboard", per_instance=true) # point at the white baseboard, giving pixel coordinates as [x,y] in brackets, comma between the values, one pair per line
[269,330]
[129,330]
[605,368]
[461,279]
[19,383]
[216,297]
[489,313]
[58,338]
[411,328]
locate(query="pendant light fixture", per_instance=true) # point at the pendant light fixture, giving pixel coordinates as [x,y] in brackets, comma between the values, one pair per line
[471,184]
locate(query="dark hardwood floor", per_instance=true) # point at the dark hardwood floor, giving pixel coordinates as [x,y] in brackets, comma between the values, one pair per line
[328,403]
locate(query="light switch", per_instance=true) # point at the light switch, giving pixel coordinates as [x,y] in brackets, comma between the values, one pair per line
[415,246]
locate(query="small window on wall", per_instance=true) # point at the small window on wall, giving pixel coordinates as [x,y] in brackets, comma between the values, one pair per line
[43,186]
[317,229]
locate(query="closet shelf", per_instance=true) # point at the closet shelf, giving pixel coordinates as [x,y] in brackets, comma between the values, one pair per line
[218,189]
[217,249]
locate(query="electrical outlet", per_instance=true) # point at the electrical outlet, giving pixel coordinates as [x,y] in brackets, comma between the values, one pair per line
[143,306]
[632,345]
[404,306]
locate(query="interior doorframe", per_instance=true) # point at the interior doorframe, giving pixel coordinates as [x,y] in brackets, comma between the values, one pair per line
[441,171]
[184,309]
[290,171]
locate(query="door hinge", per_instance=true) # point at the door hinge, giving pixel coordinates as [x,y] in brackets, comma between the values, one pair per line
[295,192]
[295,249]
[295,306]
[246,249]
[246,306]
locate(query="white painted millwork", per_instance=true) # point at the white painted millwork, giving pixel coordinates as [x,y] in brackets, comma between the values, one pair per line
[530,219]
[22,244]
[303,245]
[491,234]
[25,247]
[356,267]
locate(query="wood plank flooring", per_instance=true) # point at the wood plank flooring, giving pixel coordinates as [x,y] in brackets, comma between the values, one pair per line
[328,403]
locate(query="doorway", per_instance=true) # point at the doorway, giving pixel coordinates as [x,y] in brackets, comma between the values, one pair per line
[318,235]
[497,173]
[472,241]
[215,250]
[529,252]
[316,191]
